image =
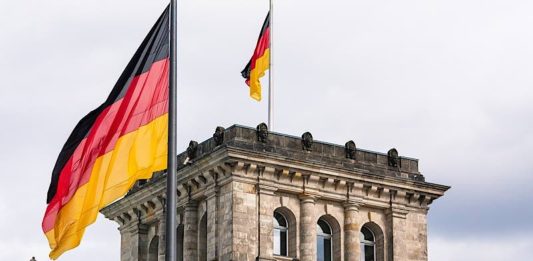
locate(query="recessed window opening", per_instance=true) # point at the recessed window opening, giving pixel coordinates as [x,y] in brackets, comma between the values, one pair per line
[368,244]
[323,237]
[280,234]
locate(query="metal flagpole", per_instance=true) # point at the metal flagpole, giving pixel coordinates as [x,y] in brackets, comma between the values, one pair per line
[270,70]
[171,247]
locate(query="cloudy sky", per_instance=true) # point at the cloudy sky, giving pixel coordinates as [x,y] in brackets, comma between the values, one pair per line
[448,82]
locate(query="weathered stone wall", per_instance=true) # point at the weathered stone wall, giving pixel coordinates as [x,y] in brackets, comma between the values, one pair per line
[212,223]
[225,214]
[416,236]
[244,222]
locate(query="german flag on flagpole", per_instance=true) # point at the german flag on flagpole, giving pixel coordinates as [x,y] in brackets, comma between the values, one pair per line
[121,141]
[260,62]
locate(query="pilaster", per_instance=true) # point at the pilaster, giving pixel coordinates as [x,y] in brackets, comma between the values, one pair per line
[396,218]
[161,231]
[212,223]
[307,227]
[190,233]
[133,241]
[352,251]
[266,210]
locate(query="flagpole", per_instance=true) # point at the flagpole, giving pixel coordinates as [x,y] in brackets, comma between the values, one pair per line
[270,70]
[171,246]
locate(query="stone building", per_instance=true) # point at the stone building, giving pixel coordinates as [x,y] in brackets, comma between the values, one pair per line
[247,194]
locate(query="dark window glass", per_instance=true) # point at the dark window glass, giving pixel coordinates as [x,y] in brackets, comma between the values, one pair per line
[369,253]
[283,241]
[280,219]
[324,227]
[327,249]
[366,234]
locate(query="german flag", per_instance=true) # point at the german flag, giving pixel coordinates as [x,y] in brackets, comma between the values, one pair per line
[260,62]
[121,141]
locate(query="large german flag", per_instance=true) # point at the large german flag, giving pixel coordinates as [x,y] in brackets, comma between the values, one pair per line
[121,141]
[260,62]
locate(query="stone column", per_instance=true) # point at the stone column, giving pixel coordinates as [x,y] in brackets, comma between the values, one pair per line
[307,228]
[125,246]
[162,233]
[351,231]
[179,235]
[225,222]
[190,231]
[212,235]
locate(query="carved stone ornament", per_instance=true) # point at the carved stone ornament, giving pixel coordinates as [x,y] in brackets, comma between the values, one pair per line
[137,186]
[218,136]
[262,132]
[394,159]
[307,141]
[350,149]
[192,149]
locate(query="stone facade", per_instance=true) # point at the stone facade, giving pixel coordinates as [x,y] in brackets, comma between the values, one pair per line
[229,191]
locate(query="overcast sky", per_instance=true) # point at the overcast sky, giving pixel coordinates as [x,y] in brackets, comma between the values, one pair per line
[448,82]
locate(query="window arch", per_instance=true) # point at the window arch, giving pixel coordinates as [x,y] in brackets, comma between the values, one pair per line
[280,234]
[323,241]
[328,239]
[371,240]
[291,229]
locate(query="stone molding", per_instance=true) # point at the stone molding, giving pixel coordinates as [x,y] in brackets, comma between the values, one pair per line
[266,189]
[200,180]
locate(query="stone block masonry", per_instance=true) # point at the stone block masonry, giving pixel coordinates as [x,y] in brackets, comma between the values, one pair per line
[233,184]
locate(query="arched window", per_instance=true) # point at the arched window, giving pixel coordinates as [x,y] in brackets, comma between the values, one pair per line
[323,241]
[368,244]
[153,249]
[281,234]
